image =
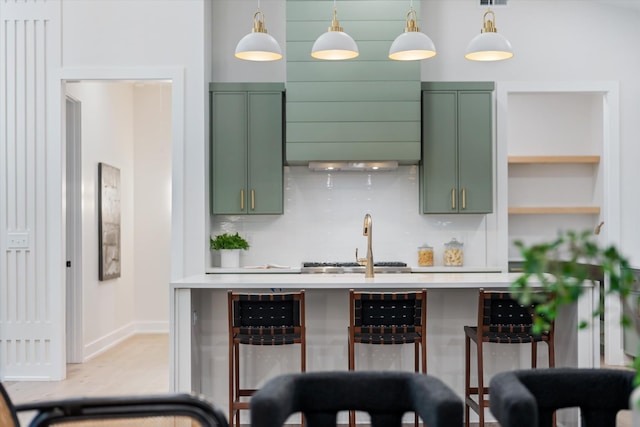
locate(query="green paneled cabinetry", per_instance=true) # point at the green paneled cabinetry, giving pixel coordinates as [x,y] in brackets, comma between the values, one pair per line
[366,108]
[246,148]
[456,172]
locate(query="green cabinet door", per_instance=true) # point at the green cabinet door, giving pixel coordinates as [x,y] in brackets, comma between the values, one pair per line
[439,169]
[246,149]
[475,165]
[265,153]
[229,152]
[456,172]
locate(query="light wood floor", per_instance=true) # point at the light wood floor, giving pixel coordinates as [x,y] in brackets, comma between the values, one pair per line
[139,365]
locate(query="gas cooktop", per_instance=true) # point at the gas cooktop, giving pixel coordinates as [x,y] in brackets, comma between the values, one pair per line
[354,267]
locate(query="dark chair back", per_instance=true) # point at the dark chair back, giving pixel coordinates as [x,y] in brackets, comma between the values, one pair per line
[386,396]
[529,398]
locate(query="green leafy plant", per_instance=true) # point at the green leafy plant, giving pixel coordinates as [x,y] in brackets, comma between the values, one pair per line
[562,267]
[228,241]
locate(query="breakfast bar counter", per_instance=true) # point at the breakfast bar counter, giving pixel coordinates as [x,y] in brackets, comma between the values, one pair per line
[199,328]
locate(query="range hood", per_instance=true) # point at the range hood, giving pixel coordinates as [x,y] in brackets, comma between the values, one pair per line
[387,165]
[356,111]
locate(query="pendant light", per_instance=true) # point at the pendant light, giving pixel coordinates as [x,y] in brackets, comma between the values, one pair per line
[258,45]
[335,44]
[489,45]
[412,45]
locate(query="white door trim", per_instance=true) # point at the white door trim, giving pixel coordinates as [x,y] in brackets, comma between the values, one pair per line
[176,76]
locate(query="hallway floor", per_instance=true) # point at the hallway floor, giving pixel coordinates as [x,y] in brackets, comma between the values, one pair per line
[139,365]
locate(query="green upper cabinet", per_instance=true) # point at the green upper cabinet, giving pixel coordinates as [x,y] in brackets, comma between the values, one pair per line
[246,148]
[456,173]
[367,108]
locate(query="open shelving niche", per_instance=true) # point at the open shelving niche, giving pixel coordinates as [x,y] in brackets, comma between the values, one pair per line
[558,155]
[554,151]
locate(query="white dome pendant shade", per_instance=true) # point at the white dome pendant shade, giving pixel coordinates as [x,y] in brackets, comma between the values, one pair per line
[258,45]
[335,44]
[412,45]
[489,45]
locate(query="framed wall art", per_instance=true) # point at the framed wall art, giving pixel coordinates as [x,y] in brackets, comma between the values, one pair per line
[109,221]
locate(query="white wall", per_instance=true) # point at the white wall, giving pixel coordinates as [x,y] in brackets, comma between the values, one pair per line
[107,136]
[143,35]
[126,125]
[553,40]
[152,204]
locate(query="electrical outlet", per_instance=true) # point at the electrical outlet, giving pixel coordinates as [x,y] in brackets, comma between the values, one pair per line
[18,240]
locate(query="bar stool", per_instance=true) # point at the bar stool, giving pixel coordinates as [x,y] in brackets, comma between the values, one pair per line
[501,320]
[261,319]
[388,318]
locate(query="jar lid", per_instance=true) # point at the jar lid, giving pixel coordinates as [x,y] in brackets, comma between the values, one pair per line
[454,242]
[425,246]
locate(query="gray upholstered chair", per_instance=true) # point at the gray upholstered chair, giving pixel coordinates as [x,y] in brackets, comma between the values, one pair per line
[530,397]
[386,396]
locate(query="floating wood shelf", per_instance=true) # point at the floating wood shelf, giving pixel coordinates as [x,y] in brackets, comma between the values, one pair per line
[554,159]
[540,210]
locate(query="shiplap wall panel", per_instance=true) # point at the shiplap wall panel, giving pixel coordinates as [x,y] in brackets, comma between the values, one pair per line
[29,287]
[353,132]
[347,111]
[366,108]
[351,71]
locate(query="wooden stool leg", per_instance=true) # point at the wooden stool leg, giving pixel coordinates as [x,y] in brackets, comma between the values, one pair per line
[352,414]
[480,385]
[237,382]
[416,367]
[231,382]
[467,378]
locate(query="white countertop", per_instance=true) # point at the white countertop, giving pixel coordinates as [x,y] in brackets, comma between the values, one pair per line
[453,280]
[279,269]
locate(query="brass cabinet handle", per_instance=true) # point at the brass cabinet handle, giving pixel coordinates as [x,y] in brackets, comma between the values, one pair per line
[242,199]
[464,198]
[453,198]
[253,199]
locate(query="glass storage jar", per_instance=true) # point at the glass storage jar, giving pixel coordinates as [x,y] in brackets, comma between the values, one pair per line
[425,256]
[453,253]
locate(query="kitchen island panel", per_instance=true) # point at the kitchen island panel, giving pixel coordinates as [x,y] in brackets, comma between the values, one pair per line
[451,304]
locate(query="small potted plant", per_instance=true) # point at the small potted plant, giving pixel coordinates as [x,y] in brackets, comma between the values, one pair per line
[229,246]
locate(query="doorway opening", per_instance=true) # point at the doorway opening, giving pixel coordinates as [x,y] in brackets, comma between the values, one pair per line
[127,124]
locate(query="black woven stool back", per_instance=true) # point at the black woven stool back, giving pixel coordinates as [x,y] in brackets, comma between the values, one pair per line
[386,313]
[265,319]
[505,320]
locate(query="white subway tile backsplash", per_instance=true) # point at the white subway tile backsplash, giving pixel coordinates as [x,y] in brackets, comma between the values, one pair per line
[323,219]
